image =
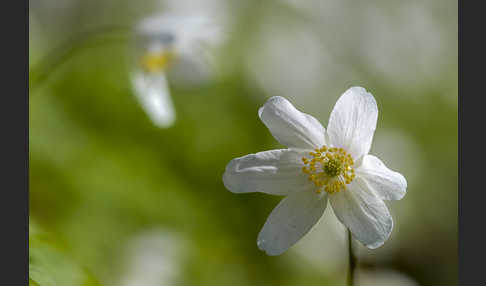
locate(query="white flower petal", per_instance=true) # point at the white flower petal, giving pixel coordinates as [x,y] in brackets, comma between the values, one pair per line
[187,33]
[363,212]
[291,219]
[154,96]
[291,127]
[387,184]
[276,172]
[353,122]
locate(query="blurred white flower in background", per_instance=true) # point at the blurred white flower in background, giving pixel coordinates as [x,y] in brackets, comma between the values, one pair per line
[164,43]
[151,258]
[285,60]
[407,45]
[154,96]
[219,11]
[287,57]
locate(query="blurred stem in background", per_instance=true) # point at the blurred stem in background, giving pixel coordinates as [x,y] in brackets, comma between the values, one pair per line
[59,55]
[352,260]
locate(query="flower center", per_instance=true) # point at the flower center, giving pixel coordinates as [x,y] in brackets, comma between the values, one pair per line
[330,169]
[157,61]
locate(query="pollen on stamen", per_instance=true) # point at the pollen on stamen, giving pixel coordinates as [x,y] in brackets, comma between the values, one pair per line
[329,168]
[156,61]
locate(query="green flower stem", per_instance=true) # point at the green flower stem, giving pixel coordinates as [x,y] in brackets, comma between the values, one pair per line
[352,260]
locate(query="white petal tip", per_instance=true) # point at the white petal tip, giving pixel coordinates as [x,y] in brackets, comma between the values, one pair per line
[358,90]
[291,127]
[405,185]
[230,186]
[163,122]
[274,98]
[228,180]
[380,242]
[402,194]
[270,101]
[260,110]
[402,189]
[265,248]
[375,245]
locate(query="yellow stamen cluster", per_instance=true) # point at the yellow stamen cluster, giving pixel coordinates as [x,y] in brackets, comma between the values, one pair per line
[330,169]
[156,61]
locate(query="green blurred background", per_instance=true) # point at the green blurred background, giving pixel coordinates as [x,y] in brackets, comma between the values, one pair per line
[115,200]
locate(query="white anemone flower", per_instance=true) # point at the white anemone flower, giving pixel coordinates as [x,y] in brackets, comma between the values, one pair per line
[162,42]
[320,165]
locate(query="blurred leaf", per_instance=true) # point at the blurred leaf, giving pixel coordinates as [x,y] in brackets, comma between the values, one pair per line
[49,266]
